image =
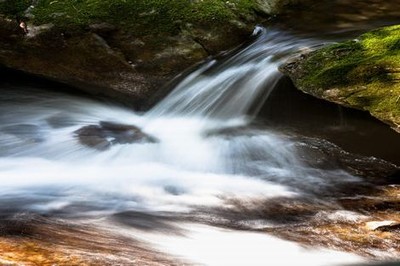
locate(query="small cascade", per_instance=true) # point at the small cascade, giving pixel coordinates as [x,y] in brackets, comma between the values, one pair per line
[235,86]
[192,149]
[193,155]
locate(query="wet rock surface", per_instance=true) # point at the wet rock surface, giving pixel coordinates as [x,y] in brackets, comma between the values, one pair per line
[81,59]
[323,154]
[106,134]
[30,239]
[339,217]
[353,234]
[339,222]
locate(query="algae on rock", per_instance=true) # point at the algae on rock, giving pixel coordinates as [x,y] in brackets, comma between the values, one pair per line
[363,73]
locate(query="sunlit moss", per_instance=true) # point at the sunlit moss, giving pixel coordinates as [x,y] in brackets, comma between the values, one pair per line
[363,73]
[142,16]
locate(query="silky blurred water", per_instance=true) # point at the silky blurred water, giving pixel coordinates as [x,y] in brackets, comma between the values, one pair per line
[207,151]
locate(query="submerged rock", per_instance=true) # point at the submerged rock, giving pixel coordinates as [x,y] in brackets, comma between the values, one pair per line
[363,73]
[106,134]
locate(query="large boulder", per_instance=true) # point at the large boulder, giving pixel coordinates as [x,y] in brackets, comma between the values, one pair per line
[126,50]
[363,73]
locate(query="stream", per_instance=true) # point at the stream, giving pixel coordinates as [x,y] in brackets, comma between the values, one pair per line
[206,177]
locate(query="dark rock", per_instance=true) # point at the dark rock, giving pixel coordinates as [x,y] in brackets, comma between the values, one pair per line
[322,154]
[106,134]
[124,134]
[394,177]
[389,228]
[111,61]
[273,7]
[102,28]
[95,142]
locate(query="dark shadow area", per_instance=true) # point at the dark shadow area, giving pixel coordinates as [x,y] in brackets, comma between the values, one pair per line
[148,222]
[338,18]
[16,79]
[354,131]
[380,264]
[11,77]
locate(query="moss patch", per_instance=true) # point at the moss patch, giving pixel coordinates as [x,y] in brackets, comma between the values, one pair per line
[14,7]
[142,16]
[362,73]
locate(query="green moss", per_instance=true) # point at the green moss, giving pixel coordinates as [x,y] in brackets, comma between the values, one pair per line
[362,73]
[142,16]
[14,7]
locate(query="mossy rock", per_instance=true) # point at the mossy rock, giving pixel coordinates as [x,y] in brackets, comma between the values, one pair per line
[143,17]
[123,49]
[363,73]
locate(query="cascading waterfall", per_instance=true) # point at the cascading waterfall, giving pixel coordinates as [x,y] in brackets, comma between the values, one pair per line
[204,154]
[195,160]
[235,86]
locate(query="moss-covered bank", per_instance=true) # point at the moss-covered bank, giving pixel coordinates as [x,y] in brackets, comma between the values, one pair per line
[363,73]
[142,17]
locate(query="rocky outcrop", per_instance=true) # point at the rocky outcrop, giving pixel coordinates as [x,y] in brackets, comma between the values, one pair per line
[113,64]
[126,51]
[363,73]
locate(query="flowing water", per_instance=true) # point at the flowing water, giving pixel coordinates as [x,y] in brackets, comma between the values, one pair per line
[207,162]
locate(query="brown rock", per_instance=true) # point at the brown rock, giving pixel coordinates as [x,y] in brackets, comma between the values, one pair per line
[106,134]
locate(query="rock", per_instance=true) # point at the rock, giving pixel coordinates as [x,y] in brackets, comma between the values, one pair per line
[124,134]
[95,142]
[127,56]
[103,28]
[363,73]
[94,137]
[129,52]
[322,154]
[376,225]
[106,134]
[273,7]
[394,227]
[83,60]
